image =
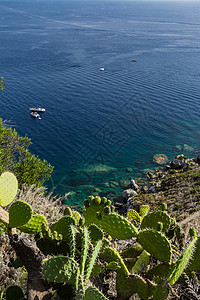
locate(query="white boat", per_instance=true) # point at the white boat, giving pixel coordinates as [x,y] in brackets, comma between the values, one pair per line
[35,115]
[37,109]
[101,69]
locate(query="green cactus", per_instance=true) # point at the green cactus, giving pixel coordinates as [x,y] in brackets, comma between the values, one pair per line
[95,233]
[91,261]
[131,284]
[62,226]
[132,251]
[142,263]
[133,215]
[93,293]
[110,255]
[14,292]
[61,269]
[151,220]
[182,263]
[8,188]
[85,248]
[34,225]
[194,263]
[112,223]
[156,244]
[19,214]
[144,209]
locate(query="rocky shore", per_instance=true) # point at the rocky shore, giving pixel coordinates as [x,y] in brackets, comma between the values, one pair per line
[177,184]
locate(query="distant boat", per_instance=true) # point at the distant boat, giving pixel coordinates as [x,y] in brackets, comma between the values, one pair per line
[133,60]
[37,109]
[35,115]
[101,69]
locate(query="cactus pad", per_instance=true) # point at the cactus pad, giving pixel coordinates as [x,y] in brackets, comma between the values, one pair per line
[132,251]
[8,188]
[111,255]
[142,263]
[93,293]
[182,263]
[61,269]
[95,232]
[14,292]
[34,225]
[156,244]
[151,220]
[144,209]
[63,225]
[129,285]
[194,264]
[19,214]
[133,215]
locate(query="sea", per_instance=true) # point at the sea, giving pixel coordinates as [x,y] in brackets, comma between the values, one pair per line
[102,128]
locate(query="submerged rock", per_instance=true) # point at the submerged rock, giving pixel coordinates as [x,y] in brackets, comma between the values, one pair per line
[160,159]
[97,168]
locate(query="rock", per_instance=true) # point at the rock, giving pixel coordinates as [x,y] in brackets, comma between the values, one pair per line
[178,147]
[129,193]
[124,183]
[114,183]
[129,170]
[151,175]
[145,189]
[97,168]
[188,148]
[198,159]
[152,189]
[160,159]
[134,186]
[178,163]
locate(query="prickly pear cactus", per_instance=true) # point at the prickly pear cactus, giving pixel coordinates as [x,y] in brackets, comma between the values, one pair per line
[151,220]
[8,188]
[131,284]
[182,263]
[95,233]
[142,263]
[63,225]
[194,264]
[61,269]
[14,292]
[133,215]
[132,251]
[144,209]
[112,223]
[34,225]
[110,255]
[156,244]
[19,214]
[93,294]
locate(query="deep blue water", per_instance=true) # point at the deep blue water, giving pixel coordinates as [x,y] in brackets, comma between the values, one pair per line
[50,55]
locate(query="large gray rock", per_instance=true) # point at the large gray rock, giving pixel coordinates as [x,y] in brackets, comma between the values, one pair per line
[129,193]
[178,163]
[134,186]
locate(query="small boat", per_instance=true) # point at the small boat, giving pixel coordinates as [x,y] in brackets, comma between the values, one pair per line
[101,69]
[133,60]
[37,109]
[35,115]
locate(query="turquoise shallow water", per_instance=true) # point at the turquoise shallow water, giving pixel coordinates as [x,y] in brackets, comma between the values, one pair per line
[50,54]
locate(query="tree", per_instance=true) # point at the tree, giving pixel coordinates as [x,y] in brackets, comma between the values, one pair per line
[15,156]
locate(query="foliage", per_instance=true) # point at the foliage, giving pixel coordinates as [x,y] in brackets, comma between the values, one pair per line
[15,156]
[80,247]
